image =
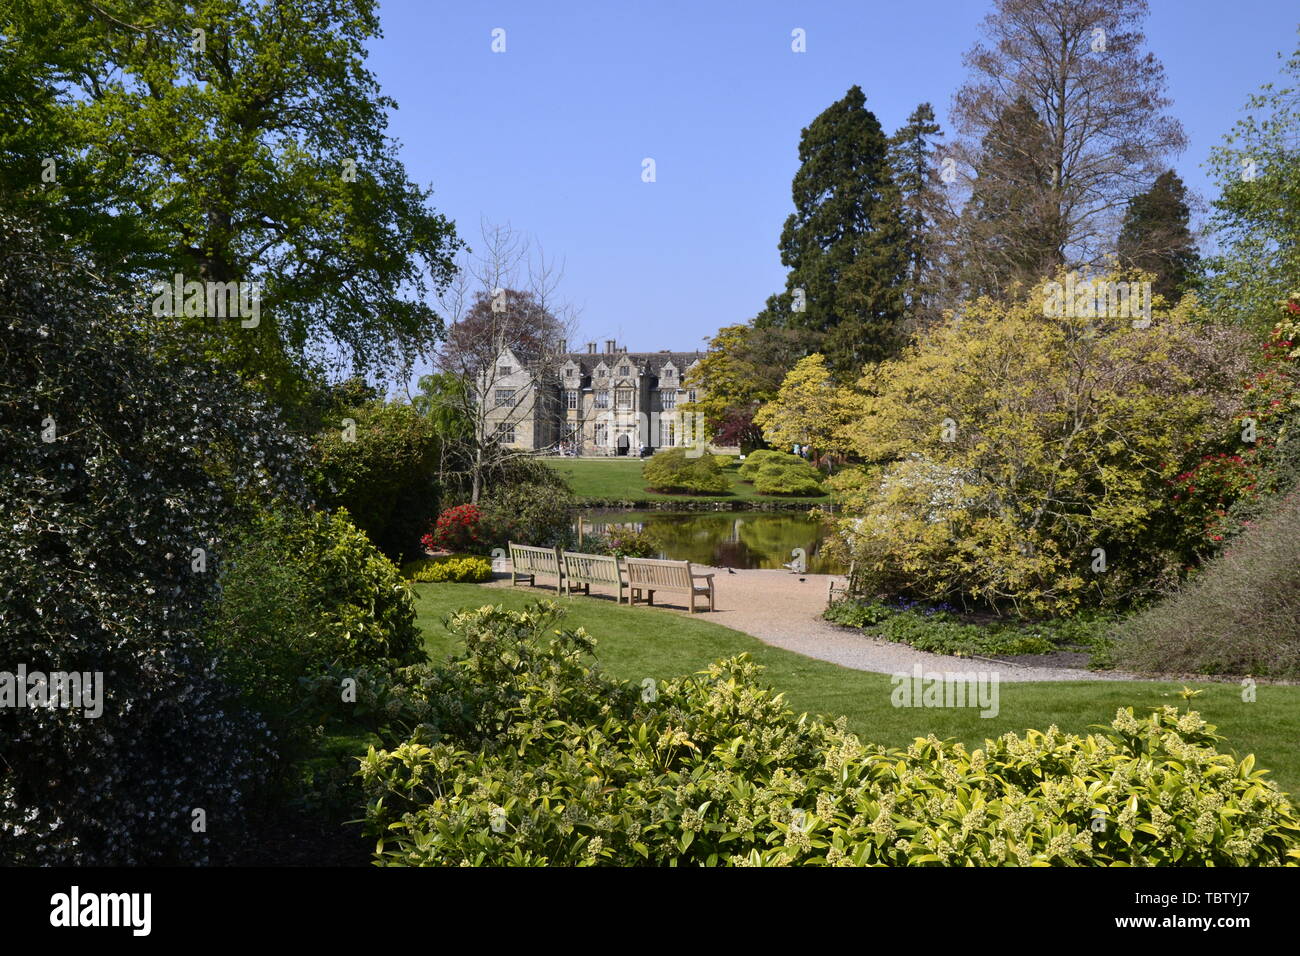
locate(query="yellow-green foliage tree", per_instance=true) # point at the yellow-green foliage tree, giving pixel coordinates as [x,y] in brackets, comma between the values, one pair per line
[1023,461]
[808,410]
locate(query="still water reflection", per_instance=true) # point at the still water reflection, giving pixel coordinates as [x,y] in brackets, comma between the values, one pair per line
[731,539]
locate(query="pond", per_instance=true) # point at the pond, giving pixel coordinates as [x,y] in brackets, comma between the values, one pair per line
[730,539]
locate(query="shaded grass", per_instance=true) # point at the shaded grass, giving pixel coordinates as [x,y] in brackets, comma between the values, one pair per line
[635,643]
[620,479]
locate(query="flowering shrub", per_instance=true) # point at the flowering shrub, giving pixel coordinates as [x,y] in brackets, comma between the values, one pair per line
[457,529]
[1287,329]
[995,482]
[550,762]
[1227,488]
[460,569]
[120,472]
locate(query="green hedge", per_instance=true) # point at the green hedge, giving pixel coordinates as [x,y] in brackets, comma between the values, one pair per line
[383,471]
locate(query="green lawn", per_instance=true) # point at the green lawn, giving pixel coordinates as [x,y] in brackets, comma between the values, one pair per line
[635,643]
[619,479]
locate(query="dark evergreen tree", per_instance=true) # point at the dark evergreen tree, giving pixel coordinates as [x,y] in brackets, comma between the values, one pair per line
[1156,237]
[844,243]
[922,211]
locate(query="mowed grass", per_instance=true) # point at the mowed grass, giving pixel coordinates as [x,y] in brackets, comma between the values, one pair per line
[635,643]
[620,479]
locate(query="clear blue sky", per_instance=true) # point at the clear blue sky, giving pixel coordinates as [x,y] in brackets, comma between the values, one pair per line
[549,136]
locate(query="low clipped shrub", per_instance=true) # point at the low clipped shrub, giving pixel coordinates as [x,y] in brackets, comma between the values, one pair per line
[672,470]
[939,634]
[457,569]
[858,613]
[304,592]
[749,468]
[1239,615]
[796,477]
[551,762]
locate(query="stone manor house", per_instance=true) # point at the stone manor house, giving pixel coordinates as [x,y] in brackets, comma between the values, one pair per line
[593,404]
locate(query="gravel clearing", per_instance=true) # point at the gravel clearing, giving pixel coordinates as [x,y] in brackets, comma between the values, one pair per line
[783,609]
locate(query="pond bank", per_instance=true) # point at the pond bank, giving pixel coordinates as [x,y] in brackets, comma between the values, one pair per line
[698,504]
[727,539]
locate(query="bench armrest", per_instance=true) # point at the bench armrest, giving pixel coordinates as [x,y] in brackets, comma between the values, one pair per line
[703,577]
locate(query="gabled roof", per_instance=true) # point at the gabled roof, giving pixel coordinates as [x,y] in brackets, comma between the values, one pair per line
[650,362]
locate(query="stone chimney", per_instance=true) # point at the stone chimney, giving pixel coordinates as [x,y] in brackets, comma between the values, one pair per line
[609,346]
[591,348]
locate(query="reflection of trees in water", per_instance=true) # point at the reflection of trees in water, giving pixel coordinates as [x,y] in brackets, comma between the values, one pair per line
[727,539]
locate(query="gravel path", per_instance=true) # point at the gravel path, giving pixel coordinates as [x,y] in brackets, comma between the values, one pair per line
[784,610]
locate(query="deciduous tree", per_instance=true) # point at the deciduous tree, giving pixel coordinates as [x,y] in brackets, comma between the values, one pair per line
[1080,68]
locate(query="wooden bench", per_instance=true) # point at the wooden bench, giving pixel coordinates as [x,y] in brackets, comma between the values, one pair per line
[587,569]
[676,577]
[528,562]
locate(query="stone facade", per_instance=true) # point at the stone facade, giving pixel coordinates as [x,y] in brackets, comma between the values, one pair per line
[594,404]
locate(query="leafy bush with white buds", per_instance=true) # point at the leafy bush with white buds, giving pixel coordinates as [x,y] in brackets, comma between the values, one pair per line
[119,471]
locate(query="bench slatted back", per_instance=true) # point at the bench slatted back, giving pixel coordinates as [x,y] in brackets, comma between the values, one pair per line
[591,568]
[527,560]
[652,573]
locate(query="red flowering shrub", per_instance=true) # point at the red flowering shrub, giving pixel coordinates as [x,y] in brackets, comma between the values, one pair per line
[1217,495]
[457,529]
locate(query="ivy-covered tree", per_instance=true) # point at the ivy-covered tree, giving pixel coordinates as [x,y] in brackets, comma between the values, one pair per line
[231,142]
[122,467]
[844,243]
[1156,237]
[1010,231]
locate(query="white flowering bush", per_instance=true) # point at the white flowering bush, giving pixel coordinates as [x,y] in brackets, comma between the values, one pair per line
[551,763]
[119,471]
